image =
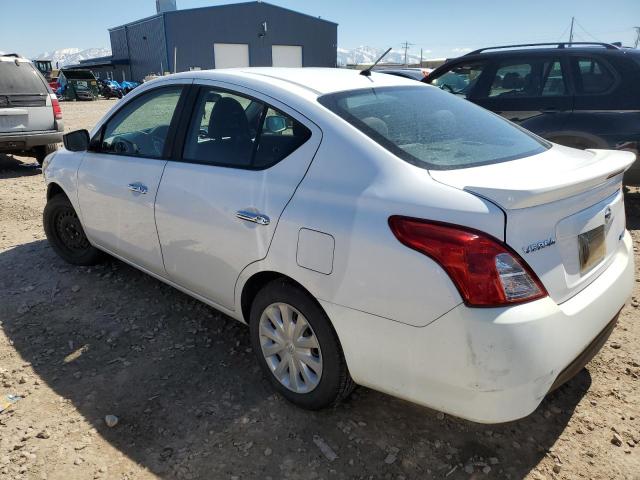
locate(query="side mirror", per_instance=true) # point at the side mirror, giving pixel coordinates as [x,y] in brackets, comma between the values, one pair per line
[76,141]
[276,124]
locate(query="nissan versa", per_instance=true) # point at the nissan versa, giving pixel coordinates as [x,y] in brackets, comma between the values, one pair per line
[369,229]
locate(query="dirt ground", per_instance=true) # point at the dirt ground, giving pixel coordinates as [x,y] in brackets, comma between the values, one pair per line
[79,344]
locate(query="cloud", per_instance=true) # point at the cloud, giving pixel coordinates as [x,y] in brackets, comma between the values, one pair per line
[461,50]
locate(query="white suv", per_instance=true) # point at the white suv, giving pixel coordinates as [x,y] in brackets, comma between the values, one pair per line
[30,115]
[371,230]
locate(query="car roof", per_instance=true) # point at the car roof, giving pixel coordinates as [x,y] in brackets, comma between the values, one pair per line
[518,50]
[314,81]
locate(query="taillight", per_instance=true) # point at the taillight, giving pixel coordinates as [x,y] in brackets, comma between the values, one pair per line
[57,111]
[486,272]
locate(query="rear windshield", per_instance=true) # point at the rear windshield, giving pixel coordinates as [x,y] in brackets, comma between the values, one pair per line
[431,128]
[20,77]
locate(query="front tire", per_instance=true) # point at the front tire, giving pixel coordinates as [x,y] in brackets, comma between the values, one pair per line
[297,348]
[66,235]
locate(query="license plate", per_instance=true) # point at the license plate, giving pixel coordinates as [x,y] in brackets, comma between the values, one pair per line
[12,122]
[591,248]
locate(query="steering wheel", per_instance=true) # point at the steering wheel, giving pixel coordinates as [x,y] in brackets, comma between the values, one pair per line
[445,86]
[123,146]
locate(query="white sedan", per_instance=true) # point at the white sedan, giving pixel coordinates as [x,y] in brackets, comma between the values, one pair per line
[369,229]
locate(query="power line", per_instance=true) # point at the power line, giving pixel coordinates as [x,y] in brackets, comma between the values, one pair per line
[585,31]
[563,33]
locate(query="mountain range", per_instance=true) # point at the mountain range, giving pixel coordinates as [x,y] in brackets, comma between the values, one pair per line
[70,56]
[358,55]
[368,55]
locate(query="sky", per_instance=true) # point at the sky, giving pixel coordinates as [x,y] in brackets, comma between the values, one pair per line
[441,28]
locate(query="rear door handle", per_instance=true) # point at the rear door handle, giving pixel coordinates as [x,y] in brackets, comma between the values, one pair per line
[138,188]
[258,218]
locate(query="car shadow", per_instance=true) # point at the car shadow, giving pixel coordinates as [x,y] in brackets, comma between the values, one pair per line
[14,167]
[192,402]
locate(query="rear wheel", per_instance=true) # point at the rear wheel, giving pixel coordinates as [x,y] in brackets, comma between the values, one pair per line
[65,233]
[297,348]
[44,150]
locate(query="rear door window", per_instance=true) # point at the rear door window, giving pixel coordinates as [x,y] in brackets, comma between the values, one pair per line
[232,130]
[536,77]
[20,78]
[593,76]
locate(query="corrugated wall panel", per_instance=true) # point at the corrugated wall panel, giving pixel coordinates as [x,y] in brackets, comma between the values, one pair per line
[147,47]
[119,48]
[195,31]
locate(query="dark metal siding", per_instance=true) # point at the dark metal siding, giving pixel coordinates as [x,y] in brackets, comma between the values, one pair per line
[119,48]
[147,51]
[195,31]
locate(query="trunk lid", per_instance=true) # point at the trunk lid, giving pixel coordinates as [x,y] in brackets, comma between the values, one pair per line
[564,210]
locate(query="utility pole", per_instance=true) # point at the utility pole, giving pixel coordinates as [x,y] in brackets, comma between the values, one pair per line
[420,58]
[573,19]
[637,29]
[406,46]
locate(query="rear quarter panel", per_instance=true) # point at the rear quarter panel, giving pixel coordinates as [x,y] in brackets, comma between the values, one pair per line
[350,191]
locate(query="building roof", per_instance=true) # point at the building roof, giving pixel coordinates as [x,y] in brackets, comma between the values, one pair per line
[98,62]
[214,7]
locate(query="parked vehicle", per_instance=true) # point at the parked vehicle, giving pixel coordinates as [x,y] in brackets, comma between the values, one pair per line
[30,115]
[128,86]
[110,89]
[412,73]
[44,67]
[371,230]
[78,84]
[583,95]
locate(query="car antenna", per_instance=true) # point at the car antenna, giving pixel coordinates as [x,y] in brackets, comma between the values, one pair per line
[367,71]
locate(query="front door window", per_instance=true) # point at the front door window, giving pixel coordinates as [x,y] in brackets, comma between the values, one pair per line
[461,79]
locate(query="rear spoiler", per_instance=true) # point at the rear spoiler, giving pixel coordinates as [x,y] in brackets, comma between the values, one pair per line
[523,193]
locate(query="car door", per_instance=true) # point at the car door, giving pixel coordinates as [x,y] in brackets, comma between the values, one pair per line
[119,177]
[530,90]
[218,204]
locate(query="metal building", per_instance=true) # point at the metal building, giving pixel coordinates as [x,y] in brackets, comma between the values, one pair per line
[222,36]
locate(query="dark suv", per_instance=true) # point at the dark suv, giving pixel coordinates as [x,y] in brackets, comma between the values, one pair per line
[583,95]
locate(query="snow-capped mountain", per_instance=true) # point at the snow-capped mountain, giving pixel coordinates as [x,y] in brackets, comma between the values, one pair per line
[368,55]
[70,56]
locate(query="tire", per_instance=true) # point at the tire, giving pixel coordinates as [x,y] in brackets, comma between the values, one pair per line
[66,235]
[44,150]
[334,382]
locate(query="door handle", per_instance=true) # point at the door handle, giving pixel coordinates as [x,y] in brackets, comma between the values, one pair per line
[253,217]
[138,188]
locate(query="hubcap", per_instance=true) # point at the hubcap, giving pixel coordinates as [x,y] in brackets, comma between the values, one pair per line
[290,348]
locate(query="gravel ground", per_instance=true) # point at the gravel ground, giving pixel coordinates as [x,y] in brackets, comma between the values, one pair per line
[79,344]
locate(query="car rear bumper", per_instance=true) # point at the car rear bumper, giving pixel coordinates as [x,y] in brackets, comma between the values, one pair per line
[488,365]
[28,140]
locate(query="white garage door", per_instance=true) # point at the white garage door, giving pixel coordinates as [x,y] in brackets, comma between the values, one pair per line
[286,55]
[231,55]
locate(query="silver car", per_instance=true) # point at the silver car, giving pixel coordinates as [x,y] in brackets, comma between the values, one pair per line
[30,115]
